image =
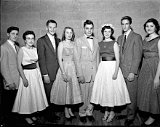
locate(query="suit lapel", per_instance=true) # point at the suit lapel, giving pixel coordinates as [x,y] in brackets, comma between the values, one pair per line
[11,48]
[49,43]
[121,44]
[94,44]
[128,40]
[56,43]
[86,43]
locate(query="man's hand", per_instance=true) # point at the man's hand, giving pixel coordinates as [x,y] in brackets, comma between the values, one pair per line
[12,86]
[130,77]
[46,79]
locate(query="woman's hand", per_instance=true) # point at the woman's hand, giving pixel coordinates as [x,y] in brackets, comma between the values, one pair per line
[81,79]
[156,82]
[114,77]
[65,77]
[25,82]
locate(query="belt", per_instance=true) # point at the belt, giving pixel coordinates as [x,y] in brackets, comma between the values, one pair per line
[108,59]
[29,66]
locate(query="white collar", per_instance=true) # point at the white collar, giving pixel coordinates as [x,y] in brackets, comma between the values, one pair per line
[87,36]
[11,42]
[50,36]
[127,33]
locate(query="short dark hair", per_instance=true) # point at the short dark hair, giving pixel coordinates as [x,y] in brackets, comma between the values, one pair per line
[127,18]
[63,36]
[88,22]
[12,28]
[51,21]
[27,33]
[112,32]
[155,22]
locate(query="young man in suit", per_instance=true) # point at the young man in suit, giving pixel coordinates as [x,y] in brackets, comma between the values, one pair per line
[9,70]
[87,63]
[48,61]
[130,58]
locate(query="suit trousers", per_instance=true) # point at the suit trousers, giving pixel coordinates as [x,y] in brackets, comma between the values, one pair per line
[8,98]
[132,89]
[48,87]
[1,88]
[49,112]
[86,89]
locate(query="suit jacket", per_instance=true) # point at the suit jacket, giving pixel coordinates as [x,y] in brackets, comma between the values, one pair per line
[47,56]
[130,58]
[87,60]
[9,65]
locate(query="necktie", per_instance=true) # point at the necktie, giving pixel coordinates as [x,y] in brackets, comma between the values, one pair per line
[124,42]
[15,47]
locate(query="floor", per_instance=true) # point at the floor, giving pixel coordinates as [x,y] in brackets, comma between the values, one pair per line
[17,120]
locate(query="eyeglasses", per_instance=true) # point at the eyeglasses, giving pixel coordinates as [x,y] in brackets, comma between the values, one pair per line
[29,38]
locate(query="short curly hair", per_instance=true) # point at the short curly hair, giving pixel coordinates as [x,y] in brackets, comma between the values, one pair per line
[27,33]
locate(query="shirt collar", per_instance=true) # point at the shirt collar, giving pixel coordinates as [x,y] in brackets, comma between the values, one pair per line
[127,33]
[11,42]
[87,36]
[50,36]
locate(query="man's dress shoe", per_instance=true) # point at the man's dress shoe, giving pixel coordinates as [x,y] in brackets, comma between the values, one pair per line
[91,118]
[83,119]
[128,122]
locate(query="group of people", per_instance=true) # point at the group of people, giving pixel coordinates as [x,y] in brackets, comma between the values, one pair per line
[66,71]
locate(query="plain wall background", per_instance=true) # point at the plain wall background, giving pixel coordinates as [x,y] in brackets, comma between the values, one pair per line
[33,14]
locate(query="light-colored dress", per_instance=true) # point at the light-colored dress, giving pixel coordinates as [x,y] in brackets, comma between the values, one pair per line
[32,98]
[106,91]
[66,92]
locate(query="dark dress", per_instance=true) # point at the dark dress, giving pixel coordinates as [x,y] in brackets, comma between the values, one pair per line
[148,97]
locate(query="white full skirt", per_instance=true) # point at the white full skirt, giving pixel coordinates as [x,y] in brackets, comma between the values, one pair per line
[106,91]
[32,98]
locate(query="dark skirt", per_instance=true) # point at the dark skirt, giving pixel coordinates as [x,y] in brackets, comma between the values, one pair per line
[148,97]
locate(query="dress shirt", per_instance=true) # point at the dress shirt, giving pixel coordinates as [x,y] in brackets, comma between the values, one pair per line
[52,39]
[90,40]
[127,33]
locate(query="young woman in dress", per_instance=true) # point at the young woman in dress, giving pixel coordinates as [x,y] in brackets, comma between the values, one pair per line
[109,87]
[149,77]
[31,96]
[66,89]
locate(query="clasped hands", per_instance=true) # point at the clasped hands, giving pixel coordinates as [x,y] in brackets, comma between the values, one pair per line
[81,79]
[66,77]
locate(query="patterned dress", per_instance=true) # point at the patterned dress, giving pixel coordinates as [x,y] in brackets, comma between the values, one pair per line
[148,97]
[32,98]
[106,91]
[66,92]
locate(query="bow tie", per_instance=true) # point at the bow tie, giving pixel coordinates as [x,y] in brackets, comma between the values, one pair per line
[90,37]
[53,35]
